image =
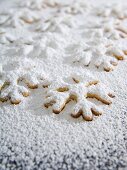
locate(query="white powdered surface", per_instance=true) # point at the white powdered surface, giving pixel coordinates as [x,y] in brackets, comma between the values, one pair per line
[49,43]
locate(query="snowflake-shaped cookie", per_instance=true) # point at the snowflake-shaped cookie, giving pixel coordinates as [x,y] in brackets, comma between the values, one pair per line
[60,93]
[48,45]
[118,11]
[110,29]
[113,29]
[75,8]
[14,91]
[38,4]
[10,84]
[59,23]
[99,52]
[17,18]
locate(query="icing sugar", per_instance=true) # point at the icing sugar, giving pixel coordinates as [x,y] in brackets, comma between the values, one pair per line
[33,137]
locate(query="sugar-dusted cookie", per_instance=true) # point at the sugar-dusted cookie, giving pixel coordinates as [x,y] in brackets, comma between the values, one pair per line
[10,89]
[57,23]
[75,8]
[116,10]
[18,18]
[39,4]
[99,52]
[10,84]
[60,93]
[47,46]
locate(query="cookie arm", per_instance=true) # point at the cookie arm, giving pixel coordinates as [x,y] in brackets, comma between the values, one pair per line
[100,93]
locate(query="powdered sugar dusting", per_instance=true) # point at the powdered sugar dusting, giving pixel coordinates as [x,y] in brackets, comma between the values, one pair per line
[54,50]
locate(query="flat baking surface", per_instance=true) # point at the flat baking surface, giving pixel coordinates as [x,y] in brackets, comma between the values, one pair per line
[33,45]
